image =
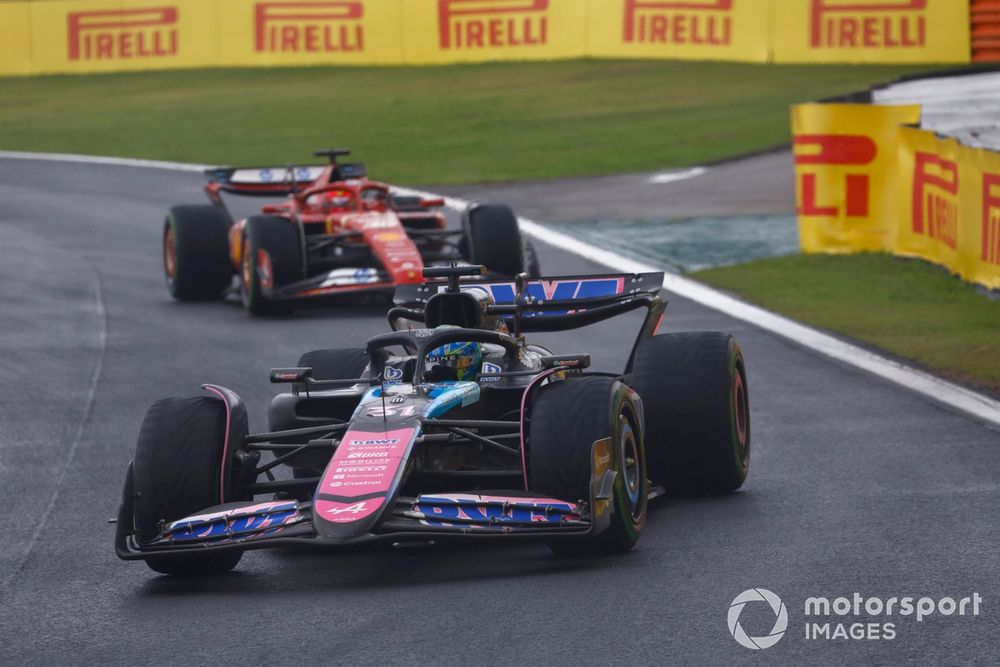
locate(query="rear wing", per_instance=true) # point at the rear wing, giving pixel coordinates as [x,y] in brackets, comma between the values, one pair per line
[277,181]
[552,294]
[547,304]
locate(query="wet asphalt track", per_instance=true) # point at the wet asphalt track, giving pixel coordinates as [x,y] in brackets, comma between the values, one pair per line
[856,485]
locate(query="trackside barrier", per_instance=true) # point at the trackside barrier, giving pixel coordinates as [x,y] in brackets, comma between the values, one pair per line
[985,30]
[79,36]
[866,179]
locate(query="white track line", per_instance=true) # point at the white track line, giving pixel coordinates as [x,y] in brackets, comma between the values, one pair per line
[930,386]
[674,176]
[99,159]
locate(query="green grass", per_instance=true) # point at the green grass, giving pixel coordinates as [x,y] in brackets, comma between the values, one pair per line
[454,124]
[907,307]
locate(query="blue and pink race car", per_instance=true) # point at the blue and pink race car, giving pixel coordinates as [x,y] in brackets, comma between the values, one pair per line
[450,426]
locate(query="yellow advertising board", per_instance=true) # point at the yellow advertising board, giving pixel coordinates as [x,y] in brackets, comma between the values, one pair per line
[979,172]
[865,180]
[845,173]
[109,35]
[443,31]
[681,29]
[40,37]
[871,31]
[950,205]
[928,195]
[15,28]
[297,32]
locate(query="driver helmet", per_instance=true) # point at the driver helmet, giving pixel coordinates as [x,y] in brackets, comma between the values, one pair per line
[455,361]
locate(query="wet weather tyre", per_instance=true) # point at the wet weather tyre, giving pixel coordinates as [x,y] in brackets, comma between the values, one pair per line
[271,257]
[695,397]
[196,252]
[567,417]
[531,264]
[177,471]
[331,364]
[494,239]
[335,364]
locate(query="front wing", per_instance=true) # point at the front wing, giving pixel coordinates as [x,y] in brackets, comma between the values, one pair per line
[430,517]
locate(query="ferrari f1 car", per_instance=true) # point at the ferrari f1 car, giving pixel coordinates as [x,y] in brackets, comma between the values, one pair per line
[448,427]
[336,232]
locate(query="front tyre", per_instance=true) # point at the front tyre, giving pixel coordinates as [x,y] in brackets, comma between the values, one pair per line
[567,417]
[196,252]
[271,257]
[178,470]
[695,397]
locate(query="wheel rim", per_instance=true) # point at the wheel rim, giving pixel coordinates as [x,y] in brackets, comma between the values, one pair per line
[631,465]
[741,410]
[170,254]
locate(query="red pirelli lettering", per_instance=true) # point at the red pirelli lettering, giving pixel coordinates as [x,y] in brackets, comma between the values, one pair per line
[934,214]
[835,150]
[465,24]
[885,24]
[991,218]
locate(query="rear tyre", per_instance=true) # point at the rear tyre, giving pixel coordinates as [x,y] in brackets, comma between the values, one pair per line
[332,364]
[178,466]
[531,264]
[567,417]
[335,364]
[695,397]
[272,257]
[196,252]
[494,239]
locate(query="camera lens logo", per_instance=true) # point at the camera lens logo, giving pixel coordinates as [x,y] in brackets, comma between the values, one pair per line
[780,622]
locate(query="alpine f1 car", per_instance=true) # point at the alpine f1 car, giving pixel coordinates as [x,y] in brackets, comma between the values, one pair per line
[336,232]
[448,427]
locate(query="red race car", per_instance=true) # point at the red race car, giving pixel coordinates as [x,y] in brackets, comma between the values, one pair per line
[336,232]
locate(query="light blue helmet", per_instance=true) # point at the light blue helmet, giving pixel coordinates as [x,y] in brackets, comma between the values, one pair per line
[464,358]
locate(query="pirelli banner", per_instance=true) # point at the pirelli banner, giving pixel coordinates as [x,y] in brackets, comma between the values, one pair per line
[50,36]
[867,179]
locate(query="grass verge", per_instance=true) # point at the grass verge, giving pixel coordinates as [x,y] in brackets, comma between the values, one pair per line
[419,125]
[907,307]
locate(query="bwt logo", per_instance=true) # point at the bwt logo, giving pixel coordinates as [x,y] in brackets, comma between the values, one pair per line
[122,34]
[854,24]
[991,218]
[469,24]
[846,150]
[679,22]
[309,27]
[935,212]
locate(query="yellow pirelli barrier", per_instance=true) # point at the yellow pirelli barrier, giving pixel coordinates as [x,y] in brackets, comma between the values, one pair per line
[867,181]
[871,31]
[278,32]
[15,40]
[846,173]
[55,36]
[681,29]
[108,35]
[448,31]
